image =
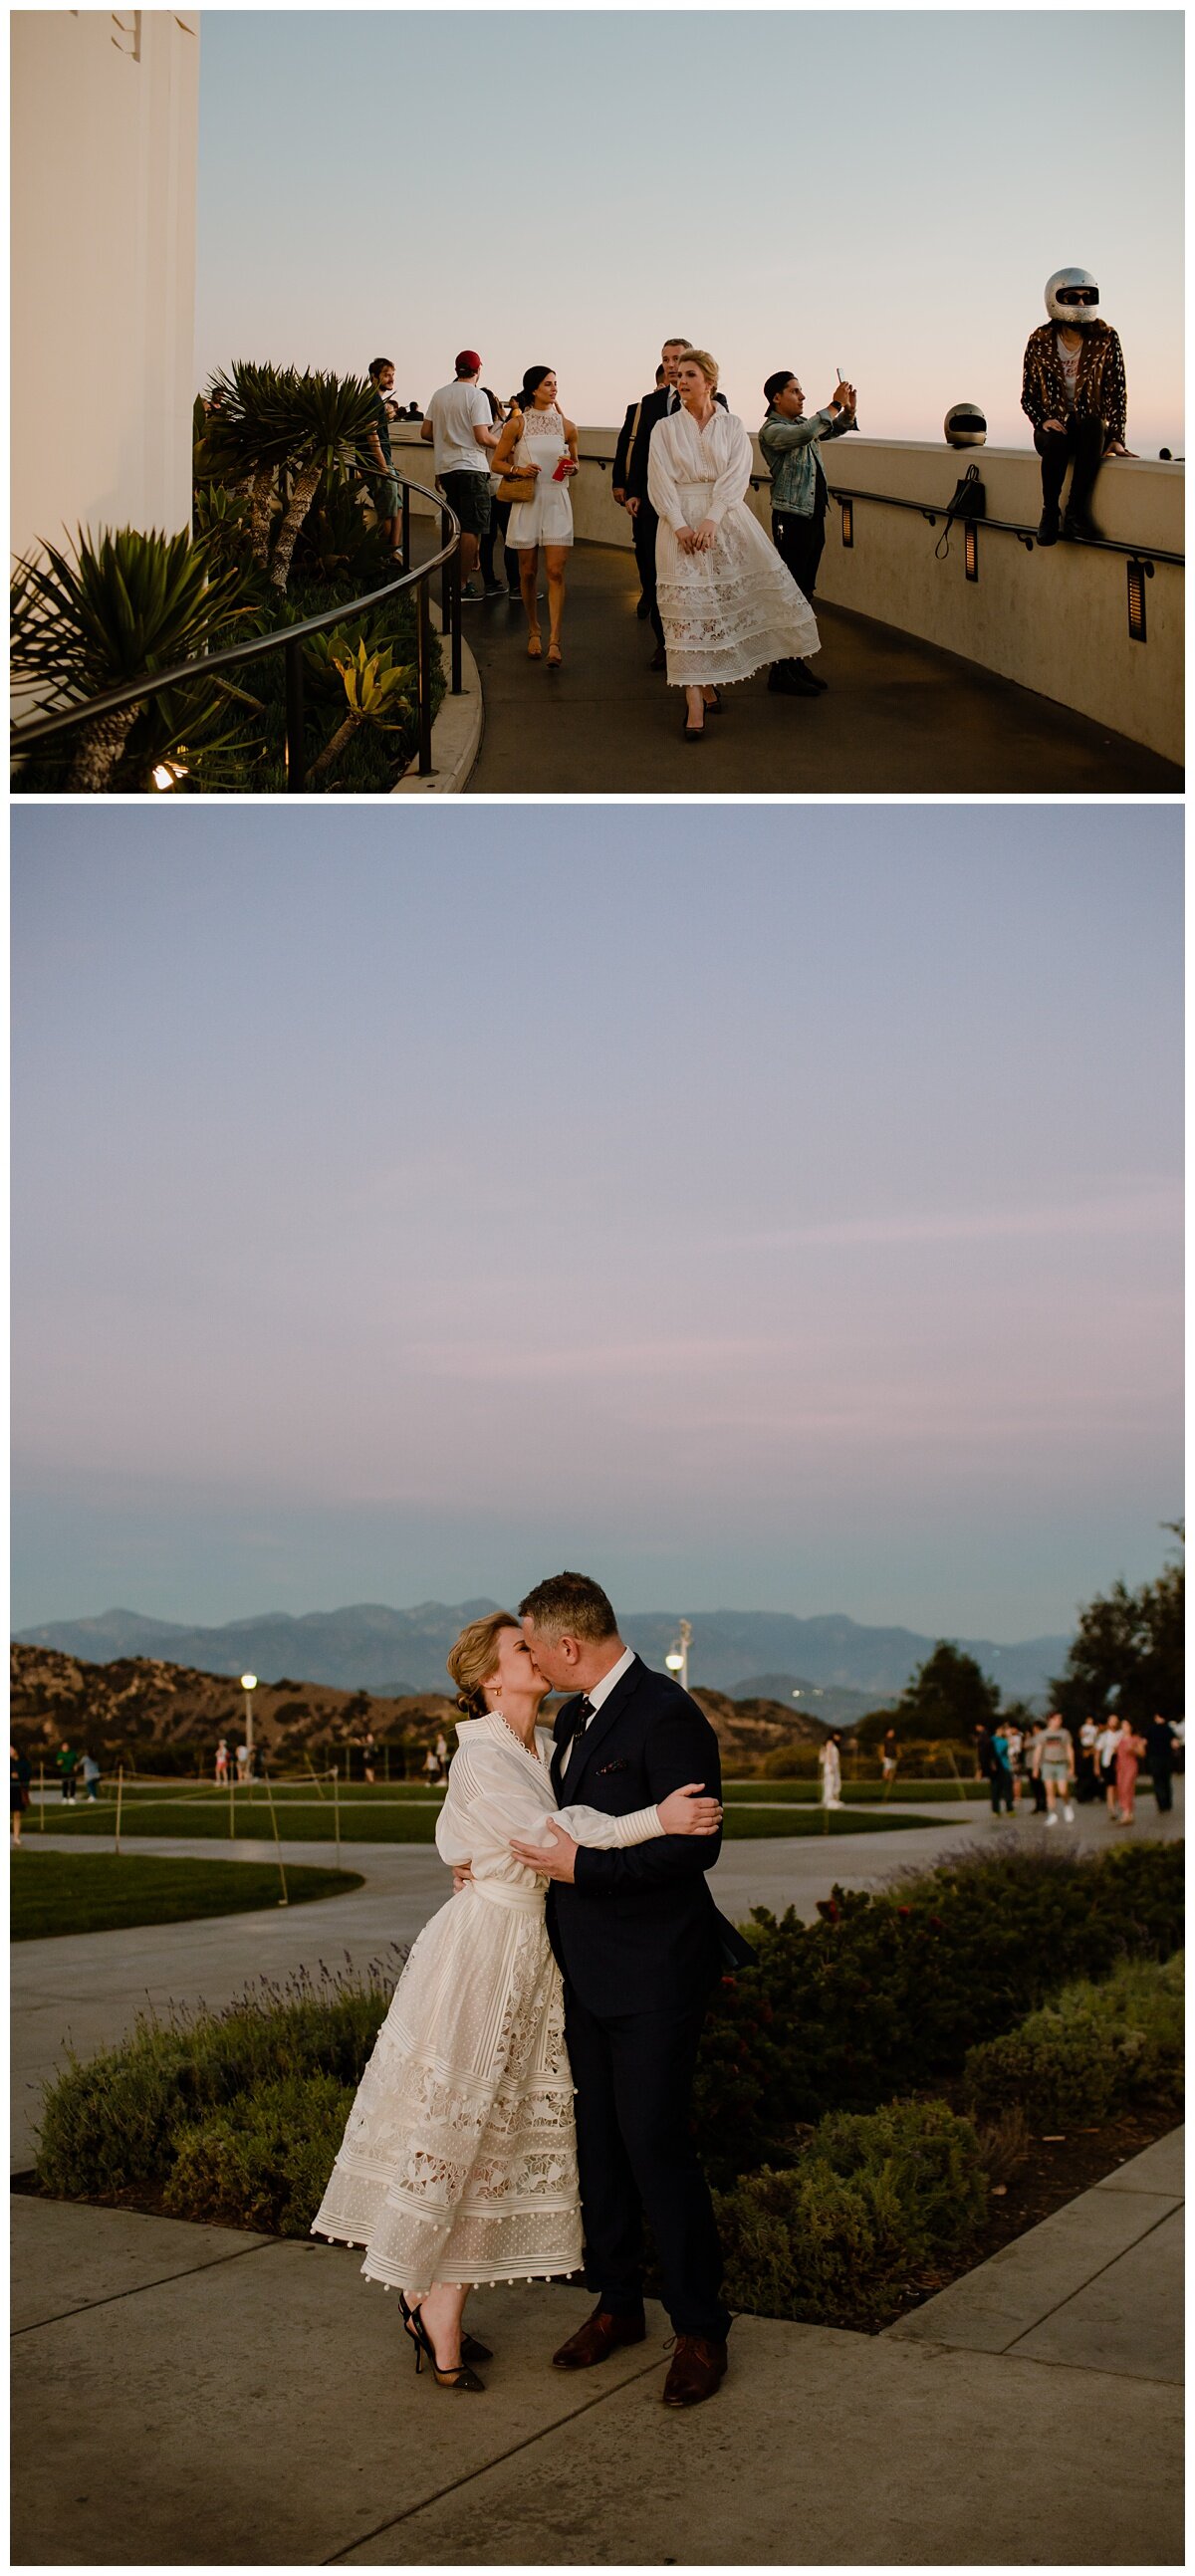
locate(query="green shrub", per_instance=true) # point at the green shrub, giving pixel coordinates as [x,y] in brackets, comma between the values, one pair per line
[114,2124]
[1091,2051]
[265,2160]
[886,1994]
[871,2200]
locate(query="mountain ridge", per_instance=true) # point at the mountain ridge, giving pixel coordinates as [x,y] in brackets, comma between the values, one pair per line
[370,1646]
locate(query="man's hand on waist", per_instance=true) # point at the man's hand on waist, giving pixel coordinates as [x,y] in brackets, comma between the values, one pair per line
[554,1858]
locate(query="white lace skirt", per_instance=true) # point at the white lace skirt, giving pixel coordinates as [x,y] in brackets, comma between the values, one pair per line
[459,2159]
[727,612]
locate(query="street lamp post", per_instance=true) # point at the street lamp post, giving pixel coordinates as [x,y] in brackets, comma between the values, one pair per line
[249,1685]
[678,1660]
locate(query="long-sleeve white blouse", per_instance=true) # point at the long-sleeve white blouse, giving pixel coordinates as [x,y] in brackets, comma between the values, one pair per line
[683,458]
[498,1790]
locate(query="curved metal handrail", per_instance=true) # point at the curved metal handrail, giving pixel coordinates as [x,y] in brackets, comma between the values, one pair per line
[289,639]
[935,510]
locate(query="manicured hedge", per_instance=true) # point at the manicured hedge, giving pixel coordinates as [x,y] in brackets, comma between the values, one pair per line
[886,1994]
[1094,2050]
[114,2124]
[835,2237]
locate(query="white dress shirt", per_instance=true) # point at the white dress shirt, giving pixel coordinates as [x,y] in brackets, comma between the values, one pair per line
[609,1681]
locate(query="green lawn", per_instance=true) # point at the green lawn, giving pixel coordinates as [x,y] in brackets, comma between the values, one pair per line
[384,1815]
[856,1792]
[59,1892]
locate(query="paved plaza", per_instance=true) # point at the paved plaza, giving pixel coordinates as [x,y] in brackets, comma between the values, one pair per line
[191,2395]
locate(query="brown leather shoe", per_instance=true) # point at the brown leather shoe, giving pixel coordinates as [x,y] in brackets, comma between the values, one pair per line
[598,2338]
[697,2367]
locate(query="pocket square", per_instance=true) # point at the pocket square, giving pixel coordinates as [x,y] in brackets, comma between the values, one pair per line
[605,1768]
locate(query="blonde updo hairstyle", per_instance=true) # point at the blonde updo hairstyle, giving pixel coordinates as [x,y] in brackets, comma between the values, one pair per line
[701,358]
[474,1657]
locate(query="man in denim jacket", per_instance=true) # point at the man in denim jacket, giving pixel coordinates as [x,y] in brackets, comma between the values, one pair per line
[790,443]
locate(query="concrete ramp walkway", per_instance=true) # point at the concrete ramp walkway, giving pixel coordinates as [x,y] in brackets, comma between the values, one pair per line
[898,717]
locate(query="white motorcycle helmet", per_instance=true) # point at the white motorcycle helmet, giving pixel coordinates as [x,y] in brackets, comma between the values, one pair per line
[1073,296]
[964,425]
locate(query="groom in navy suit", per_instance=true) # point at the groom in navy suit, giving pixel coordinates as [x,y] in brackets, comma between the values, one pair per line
[640,1944]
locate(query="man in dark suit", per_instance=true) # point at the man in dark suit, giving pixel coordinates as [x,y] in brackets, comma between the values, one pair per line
[639,1943]
[636,430]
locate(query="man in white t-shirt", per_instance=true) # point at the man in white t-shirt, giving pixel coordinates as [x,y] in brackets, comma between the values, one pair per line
[459,427]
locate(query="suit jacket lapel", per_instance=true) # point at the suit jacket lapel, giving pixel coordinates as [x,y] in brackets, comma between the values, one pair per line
[563,1731]
[599,1726]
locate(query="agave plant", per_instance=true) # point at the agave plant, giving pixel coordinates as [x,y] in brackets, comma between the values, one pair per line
[376,694]
[127,603]
[327,420]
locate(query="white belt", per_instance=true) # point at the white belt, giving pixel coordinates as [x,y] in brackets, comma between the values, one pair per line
[500,1891]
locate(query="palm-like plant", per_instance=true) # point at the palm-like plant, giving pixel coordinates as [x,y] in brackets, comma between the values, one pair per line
[328,419]
[376,694]
[127,604]
[250,438]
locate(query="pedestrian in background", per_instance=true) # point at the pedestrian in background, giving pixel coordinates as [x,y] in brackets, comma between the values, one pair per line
[1002,1783]
[1054,1759]
[1159,1755]
[1107,1744]
[890,1754]
[66,1759]
[221,1760]
[1129,1748]
[20,1774]
[91,1776]
[1087,1784]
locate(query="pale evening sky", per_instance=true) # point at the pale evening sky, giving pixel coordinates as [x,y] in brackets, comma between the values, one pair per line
[882,191]
[772,1208]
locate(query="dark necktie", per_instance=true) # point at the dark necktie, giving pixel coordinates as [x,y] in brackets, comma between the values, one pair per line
[580,1722]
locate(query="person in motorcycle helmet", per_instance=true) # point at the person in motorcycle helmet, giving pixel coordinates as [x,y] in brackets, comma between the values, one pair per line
[1073,391]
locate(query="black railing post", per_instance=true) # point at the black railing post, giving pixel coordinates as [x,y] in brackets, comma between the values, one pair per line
[423,631]
[454,567]
[295,770]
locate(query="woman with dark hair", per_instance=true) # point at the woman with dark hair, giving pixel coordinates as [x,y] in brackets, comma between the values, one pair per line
[540,446]
[459,2160]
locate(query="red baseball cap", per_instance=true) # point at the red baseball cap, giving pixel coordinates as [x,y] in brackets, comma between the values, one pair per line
[468,363]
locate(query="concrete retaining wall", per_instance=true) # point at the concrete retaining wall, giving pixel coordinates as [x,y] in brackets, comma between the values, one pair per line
[1056,621]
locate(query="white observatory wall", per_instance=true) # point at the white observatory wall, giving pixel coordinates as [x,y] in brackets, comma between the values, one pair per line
[105,114]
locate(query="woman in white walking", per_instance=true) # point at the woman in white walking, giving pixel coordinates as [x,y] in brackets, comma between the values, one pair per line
[727,604]
[459,2161]
[539,443]
[830,1759]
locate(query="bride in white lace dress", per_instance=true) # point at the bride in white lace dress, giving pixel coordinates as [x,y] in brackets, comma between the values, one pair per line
[458,2162]
[727,603]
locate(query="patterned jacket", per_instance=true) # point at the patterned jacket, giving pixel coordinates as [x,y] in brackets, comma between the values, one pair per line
[790,454]
[1101,392]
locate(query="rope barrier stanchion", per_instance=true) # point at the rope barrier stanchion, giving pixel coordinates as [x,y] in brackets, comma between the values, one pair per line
[315,1776]
[232,1805]
[336,1809]
[41,1800]
[284,1898]
[119,1804]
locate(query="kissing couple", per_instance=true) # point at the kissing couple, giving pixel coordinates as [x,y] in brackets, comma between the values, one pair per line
[577,1953]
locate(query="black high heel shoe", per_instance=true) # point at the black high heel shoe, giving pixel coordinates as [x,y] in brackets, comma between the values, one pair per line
[692,733]
[713,706]
[463,2377]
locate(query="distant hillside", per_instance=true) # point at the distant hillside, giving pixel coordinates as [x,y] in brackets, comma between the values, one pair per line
[137,1702]
[817,1699]
[398,1652]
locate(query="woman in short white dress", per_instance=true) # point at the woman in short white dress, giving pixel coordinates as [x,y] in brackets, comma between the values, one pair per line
[727,603]
[458,2162]
[539,441]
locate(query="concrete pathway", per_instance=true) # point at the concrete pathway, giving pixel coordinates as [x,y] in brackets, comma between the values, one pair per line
[192,2396]
[85,1991]
[898,717]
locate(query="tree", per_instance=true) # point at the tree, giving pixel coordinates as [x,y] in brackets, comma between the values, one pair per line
[947,1698]
[1128,1652]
